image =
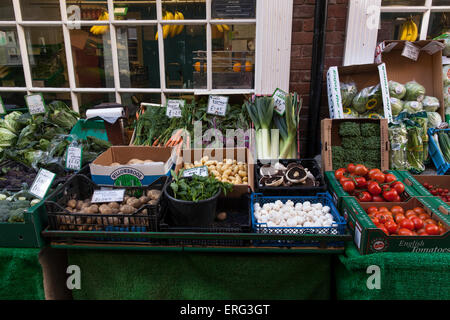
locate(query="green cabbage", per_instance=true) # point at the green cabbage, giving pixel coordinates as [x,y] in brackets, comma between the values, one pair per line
[396,90]
[396,106]
[348,92]
[6,137]
[414,91]
[10,122]
[430,104]
[367,99]
[412,106]
[434,119]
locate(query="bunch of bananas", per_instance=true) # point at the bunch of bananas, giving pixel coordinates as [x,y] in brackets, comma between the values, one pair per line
[172,30]
[222,27]
[409,31]
[101,29]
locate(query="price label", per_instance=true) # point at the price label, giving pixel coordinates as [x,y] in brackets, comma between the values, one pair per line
[74,158]
[173,109]
[199,171]
[35,103]
[42,183]
[411,51]
[279,97]
[217,105]
[2,107]
[104,196]
[433,47]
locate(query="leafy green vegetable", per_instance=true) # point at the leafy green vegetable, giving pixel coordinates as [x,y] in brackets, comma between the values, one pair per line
[6,137]
[414,91]
[414,147]
[434,119]
[349,129]
[370,129]
[396,90]
[396,106]
[11,123]
[348,92]
[412,106]
[398,138]
[430,104]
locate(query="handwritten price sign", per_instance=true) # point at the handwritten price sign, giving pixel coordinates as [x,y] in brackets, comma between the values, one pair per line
[42,183]
[217,105]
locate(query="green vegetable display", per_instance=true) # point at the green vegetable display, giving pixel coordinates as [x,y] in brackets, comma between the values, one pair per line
[414,91]
[412,106]
[421,119]
[368,100]
[349,113]
[398,137]
[14,206]
[348,92]
[430,104]
[444,144]
[434,119]
[197,188]
[396,106]
[414,147]
[396,90]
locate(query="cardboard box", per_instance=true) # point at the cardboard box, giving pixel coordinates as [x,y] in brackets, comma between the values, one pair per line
[238,154]
[363,76]
[330,137]
[138,174]
[427,70]
[369,239]
[337,191]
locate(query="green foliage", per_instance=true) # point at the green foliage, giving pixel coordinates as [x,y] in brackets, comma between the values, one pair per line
[349,129]
[370,130]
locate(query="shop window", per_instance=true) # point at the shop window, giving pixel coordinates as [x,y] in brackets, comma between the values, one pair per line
[87,10]
[39,10]
[439,24]
[135,10]
[391,24]
[14,100]
[195,9]
[6,10]
[89,100]
[11,70]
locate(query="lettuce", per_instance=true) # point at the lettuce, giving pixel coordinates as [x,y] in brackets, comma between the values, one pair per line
[434,119]
[412,106]
[396,90]
[430,104]
[414,91]
[6,137]
[396,106]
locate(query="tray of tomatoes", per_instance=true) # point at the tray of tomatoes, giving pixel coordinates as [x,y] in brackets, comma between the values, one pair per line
[399,221]
[370,185]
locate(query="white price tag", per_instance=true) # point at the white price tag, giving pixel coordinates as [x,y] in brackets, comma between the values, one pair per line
[2,107]
[42,183]
[35,103]
[74,158]
[411,51]
[173,109]
[217,105]
[104,196]
[199,171]
[279,97]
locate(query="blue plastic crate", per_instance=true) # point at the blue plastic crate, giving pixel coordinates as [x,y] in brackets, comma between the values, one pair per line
[324,198]
[442,167]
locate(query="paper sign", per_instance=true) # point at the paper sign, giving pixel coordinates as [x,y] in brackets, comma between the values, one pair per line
[334,94]
[279,97]
[35,103]
[2,107]
[74,158]
[104,196]
[411,51]
[217,105]
[433,47]
[42,183]
[199,171]
[384,83]
[173,109]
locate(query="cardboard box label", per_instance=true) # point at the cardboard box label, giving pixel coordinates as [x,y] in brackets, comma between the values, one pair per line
[384,83]
[433,47]
[411,51]
[334,94]
[199,171]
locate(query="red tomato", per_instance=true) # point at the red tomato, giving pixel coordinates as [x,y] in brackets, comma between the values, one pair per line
[398,186]
[390,178]
[397,209]
[383,228]
[442,230]
[410,213]
[343,179]
[391,226]
[374,188]
[361,182]
[390,195]
[397,199]
[361,170]
[339,173]
[379,177]
[348,186]
[418,223]
[375,220]
[383,209]
[371,210]
[432,229]
[382,218]
[422,232]
[404,232]
[419,210]
[424,216]
[377,199]
[372,172]
[351,168]
[399,217]
[429,221]
[406,224]
[364,196]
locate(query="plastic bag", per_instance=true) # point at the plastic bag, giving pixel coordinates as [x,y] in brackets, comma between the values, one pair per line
[412,106]
[368,99]
[348,92]
[349,113]
[421,118]
[414,91]
[434,119]
[396,90]
[396,106]
[446,38]
[398,138]
[414,147]
[430,104]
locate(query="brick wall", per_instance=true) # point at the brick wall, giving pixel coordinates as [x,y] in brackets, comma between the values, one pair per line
[301,53]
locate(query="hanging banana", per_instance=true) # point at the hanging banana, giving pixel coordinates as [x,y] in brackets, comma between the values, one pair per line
[409,31]
[179,27]
[100,29]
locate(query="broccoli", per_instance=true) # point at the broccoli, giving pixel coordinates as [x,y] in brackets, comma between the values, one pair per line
[370,130]
[349,129]
[371,143]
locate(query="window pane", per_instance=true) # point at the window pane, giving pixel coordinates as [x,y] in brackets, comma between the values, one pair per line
[135,99]
[403,2]
[57,96]
[188,10]
[232,9]
[439,24]
[11,71]
[40,10]
[138,57]
[92,60]
[85,10]
[390,24]
[47,56]
[6,10]
[233,57]
[14,100]
[180,52]
[88,100]
[136,10]
[441,3]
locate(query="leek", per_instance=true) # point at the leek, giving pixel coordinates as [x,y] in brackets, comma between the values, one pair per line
[292,116]
[265,107]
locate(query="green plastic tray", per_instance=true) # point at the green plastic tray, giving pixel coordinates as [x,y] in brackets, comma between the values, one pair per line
[84,128]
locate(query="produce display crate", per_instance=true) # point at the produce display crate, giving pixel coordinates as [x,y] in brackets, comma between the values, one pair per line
[238,221]
[84,128]
[369,239]
[82,187]
[324,198]
[338,193]
[24,169]
[299,190]
[442,166]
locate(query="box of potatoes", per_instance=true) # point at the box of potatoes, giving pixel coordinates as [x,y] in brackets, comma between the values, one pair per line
[232,165]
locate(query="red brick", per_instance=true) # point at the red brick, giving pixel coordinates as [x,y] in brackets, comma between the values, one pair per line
[298,2]
[329,50]
[301,63]
[307,51]
[335,37]
[297,25]
[296,50]
[308,24]
[302,37]
[340,24]
[300,76]
[331,24]
[337,11]
[303,11]
[338,50]
[301,88]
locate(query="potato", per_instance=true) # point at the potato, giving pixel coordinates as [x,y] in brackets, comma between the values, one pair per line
[113,205]
[69,209]
[135,161]
[115,211]
[125,198]
[134,202]
[127,209]
[144,199]
[79,204]
[154,194]
[72,203]
[153,202]
[105,209]
[221,216]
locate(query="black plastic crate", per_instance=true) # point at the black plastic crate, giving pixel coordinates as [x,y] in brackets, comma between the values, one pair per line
[238,221]
[299,190]
[146,219]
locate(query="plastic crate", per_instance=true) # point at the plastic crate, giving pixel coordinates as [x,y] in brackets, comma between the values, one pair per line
[84,128]
[299,190]
[241,223]
[81,187]
[442,167]
[323,198]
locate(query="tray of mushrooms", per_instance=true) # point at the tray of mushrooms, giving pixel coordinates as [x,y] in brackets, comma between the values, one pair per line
[289,175]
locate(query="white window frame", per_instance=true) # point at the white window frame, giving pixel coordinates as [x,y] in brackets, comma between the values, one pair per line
[361,39]
[268,27]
